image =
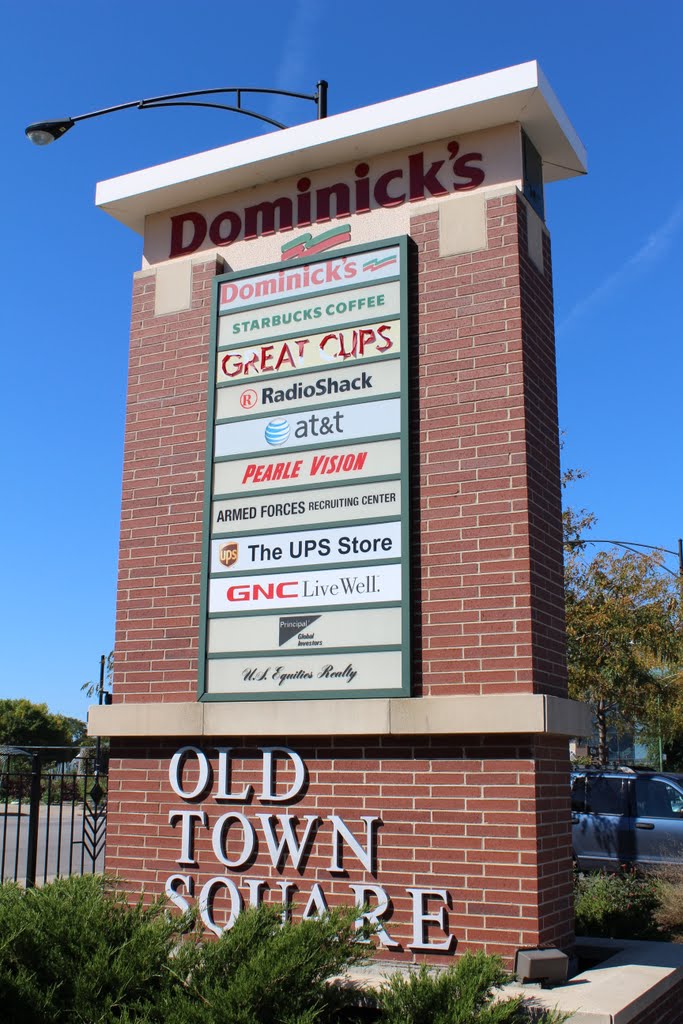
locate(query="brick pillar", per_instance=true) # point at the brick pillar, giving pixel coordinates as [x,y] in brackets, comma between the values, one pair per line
[157,620]
[489,533]
[489,527]
[485,817]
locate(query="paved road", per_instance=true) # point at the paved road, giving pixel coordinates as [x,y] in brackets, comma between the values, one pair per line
[61,850]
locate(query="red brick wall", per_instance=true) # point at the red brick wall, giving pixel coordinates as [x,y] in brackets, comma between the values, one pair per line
[489,533]
[466,816]
[665,1008]
[487,819]
[157,620]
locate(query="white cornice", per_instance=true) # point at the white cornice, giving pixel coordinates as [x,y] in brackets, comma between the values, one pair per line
[519,94]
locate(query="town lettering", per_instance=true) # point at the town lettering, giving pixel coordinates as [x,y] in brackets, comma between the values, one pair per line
[282,841]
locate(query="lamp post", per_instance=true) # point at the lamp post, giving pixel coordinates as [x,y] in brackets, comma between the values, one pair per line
[41,133]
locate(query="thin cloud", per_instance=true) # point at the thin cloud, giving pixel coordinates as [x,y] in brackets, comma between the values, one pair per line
[653,249]
[296,72]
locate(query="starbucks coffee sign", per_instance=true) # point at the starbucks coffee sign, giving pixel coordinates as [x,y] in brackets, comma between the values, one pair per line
[305,578]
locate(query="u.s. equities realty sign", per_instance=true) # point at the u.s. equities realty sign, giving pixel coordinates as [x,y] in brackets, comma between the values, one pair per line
[306,563]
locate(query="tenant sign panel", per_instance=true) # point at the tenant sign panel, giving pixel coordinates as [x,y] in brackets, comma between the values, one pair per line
[305,589]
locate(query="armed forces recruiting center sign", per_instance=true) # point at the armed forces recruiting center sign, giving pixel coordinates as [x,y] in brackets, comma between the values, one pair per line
[305,588]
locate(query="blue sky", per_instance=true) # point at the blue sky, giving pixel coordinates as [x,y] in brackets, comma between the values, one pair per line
[66,267]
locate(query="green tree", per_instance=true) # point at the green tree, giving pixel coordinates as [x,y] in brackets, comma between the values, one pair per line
[25,724]
[624,635]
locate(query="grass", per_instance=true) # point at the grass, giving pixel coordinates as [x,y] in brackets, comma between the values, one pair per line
[629,905]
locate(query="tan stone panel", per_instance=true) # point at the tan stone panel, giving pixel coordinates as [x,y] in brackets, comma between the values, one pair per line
[173,287]
[568,717]
[535,230]
[518,713]
[462,225]
[361,717]
[501,714]
[184,719]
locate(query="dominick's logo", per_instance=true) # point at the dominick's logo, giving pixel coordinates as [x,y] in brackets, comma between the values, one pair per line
[416,177]
[228,553]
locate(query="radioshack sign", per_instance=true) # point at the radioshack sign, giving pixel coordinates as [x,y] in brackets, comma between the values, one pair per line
[257,397]
[306,517]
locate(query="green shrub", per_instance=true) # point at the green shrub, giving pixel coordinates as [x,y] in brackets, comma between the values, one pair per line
[261,972]
[75,952]
[462,994]
[620,906]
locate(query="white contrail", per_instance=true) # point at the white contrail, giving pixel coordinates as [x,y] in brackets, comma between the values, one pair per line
[652,249]
[297,70]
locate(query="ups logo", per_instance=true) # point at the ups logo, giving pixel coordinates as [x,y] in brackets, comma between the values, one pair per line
[228,553]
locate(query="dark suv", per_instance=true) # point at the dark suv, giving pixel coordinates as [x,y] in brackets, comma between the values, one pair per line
[626,816]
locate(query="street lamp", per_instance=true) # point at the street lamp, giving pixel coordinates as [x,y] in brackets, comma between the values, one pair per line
[632,545]
[43,132]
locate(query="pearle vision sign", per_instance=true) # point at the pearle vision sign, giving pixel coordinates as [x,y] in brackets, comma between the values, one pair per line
[305,588]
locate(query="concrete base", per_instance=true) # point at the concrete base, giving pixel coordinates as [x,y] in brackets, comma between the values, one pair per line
[626,988]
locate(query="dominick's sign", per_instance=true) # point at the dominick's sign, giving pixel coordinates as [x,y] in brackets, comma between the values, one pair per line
[415,178]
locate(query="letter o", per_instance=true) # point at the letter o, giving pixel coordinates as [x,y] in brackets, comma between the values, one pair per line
[175,770]
[235,226]
[248,845]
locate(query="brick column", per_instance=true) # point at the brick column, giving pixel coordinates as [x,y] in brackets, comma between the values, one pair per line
[485,817]
[157,620]
[489,570]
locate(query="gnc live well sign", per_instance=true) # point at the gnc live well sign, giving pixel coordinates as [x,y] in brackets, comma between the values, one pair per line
[305,582]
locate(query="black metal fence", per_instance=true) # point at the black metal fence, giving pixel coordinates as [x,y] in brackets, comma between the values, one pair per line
[53,814]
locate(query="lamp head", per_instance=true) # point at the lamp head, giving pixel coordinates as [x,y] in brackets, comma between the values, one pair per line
[43,132]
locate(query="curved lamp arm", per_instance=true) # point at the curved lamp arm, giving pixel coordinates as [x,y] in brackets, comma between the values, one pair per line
[633,545]
[43,132]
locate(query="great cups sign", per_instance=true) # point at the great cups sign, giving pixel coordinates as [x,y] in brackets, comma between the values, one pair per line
[306,512]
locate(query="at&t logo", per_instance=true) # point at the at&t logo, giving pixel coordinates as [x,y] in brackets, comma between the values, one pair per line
[277,432]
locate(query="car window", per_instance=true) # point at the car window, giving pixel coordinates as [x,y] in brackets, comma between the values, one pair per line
[579,794]
[606,795]
[657,799]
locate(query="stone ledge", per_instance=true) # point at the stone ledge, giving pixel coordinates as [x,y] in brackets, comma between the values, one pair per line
[621,989]
[525,714]
[626,986]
